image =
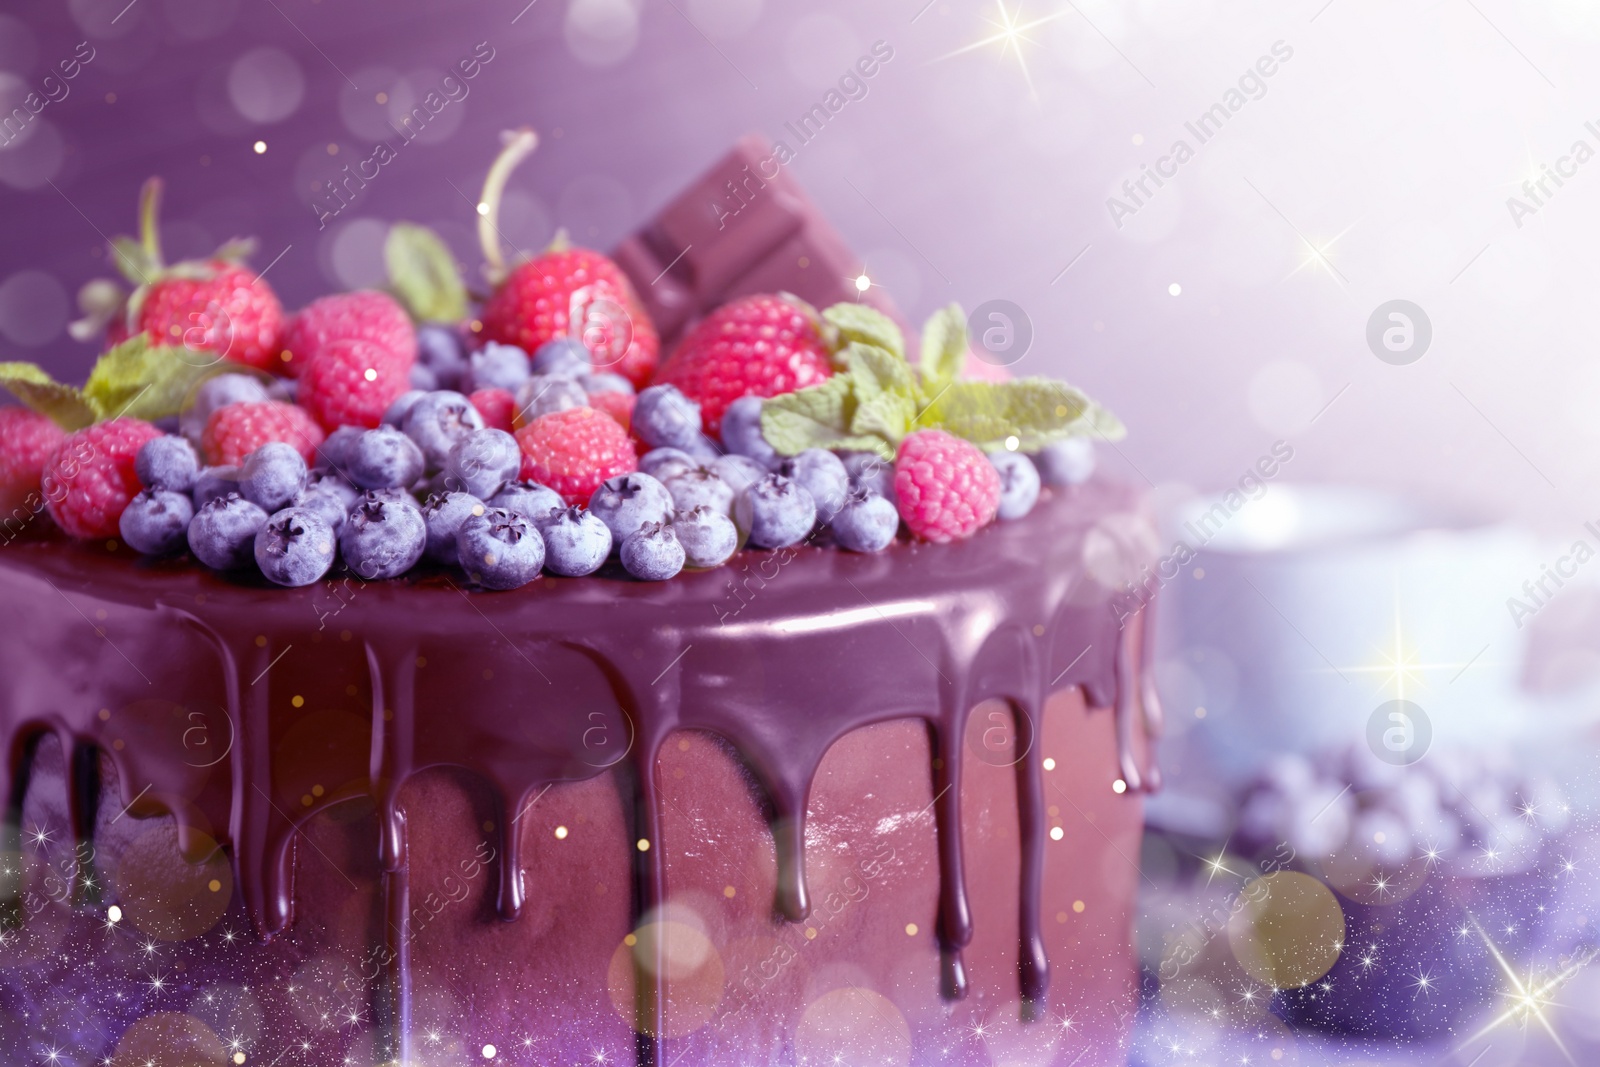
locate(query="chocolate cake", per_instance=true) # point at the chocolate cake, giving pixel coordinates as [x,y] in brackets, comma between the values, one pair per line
[391,820]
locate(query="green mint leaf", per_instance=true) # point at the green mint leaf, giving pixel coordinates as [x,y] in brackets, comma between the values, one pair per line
[65,404]
[867,325]
[147,381]
[886,416]
[820,416]
[424,275]
[1034,410]
[944,348]
[875,370]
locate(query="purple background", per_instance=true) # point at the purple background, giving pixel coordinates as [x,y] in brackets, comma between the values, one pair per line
[1390,141]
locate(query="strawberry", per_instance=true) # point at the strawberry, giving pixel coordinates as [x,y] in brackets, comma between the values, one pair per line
[760,345]
[90,476]
[368,316]
[352,381]
[945,487]
[563,292]
[573,451]
[496,406]
[235,430]
[26,440]
[215,305]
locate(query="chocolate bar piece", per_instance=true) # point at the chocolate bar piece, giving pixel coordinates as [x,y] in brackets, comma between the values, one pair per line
[744,227]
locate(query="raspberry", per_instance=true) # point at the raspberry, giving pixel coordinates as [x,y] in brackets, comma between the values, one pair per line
[26,440]
[90,476]
[231,312]
[946,487]
[351,382]
[496,406]
[759,345]
[541,297]
[367,316]
[573,451]
[618,405]
[236,430]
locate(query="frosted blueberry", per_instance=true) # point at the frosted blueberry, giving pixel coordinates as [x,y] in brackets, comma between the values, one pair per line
[1068,462]
[500,549]
[223,532]
[823,476]
[531,500]
[295,547]
[167,462]
[326,504]
[665,418]
[482,462]
[437,421]
[272,476]
[439,348]
[605,382]
[575,543]
[334,452]
[739,471]
[629,501]
[382,539]
[868,470]
[663,464]
[703,449]
[219,392]
[1019,483]
[384,458]
[866,523]
[214,483]
[444,513]
[776,512]
[156,522]
[420,376]
[700,486]
[546,394]
[393,495]
[498,366]
[562,355]
[395,414]
[741,431]
[652,552]
[708,536]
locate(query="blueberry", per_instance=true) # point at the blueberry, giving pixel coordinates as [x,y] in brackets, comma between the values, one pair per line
[382,539]
[605,383]
[272,476]
[443,513]
[335,486]
[703,449]
[629,501]
[167,462]
[1019,483]
[334,453]
[395,414]
[868,470]
[218,392]
[498,366]
[384,458]
[439,348]
[214,483]
[531,500]
[283,390]
[665,418]
[866,523]
[295,547]
[437,422]
[741,431]
[776,511]
[500,549]
[1068,462]
[739,471]
[562,355]
[223,533]
[823,476]
[663,464]
[156,522]
[394,496]
[652,552]
[700,486]
[326,504]
[708,536]
[483,461]
[421,377]
[575,542]
[545,394]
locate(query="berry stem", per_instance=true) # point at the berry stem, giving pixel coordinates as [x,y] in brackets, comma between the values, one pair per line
[150,220]
[518,145]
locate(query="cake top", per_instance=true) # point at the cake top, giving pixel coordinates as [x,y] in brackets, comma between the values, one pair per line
[533,430]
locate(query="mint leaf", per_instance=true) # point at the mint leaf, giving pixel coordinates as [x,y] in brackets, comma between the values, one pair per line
[887,416]
[820,416]
[1034,410]
[944,348]
[867,325]
[424,275]
[65,404]
[147,381]
[875,370]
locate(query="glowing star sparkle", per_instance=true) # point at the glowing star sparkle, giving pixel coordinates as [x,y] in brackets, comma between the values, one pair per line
[1010,34]
[1530,996]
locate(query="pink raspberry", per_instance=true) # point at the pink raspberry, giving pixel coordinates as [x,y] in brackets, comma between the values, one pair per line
[366,316]
[618,405]
[236,430]
[947,488]
[573,451]
[496,406]
[26,440]
[352,382]
[90,477]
